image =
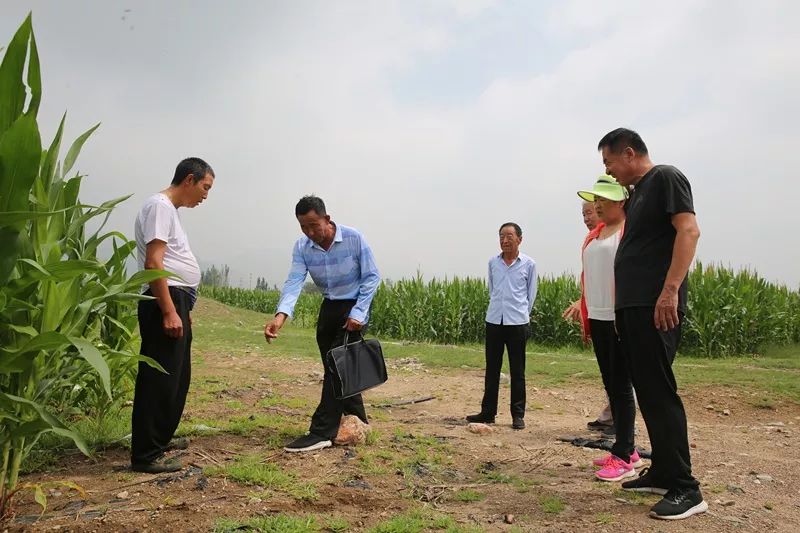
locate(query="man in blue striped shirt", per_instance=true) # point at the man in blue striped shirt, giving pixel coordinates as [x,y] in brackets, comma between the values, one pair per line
[341,264]
[512,291]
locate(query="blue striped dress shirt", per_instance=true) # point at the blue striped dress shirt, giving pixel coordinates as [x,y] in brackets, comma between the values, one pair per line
[512,290]
[346,271]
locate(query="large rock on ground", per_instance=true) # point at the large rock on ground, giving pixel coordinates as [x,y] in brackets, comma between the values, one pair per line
[479,429]
[351,431]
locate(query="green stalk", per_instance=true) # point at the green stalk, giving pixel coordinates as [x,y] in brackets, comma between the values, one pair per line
[16,462]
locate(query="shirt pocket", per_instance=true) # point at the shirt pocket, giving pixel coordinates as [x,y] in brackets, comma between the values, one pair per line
[345,266]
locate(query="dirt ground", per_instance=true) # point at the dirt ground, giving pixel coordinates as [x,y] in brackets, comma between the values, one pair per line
[519,473]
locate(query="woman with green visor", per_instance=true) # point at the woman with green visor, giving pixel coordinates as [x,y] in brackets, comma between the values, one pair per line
[597,320]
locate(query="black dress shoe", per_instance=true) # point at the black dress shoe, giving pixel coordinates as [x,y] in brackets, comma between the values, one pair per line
[481,418]
[518,422]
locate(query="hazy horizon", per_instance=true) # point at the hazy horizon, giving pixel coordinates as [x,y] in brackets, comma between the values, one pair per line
[427,124]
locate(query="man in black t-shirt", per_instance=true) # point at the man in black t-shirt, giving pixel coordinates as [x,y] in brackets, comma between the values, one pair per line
[650,268]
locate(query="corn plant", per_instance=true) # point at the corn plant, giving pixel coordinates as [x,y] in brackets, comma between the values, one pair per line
[66,316]
[729,313]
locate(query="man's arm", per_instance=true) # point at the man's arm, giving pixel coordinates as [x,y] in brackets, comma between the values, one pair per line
[289,295]
[686,237]
[533,284]
[368,286]
[154,260]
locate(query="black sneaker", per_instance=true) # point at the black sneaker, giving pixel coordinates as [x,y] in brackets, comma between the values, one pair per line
[481,418]
[598,425]
[308,443]
[678,504]
[645,483]
[518,422]
[179,443]
[158,465]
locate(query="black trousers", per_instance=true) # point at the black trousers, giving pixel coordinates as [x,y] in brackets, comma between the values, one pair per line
[649,354]
[512,339]
[330,333]
[159,398]
[617,382]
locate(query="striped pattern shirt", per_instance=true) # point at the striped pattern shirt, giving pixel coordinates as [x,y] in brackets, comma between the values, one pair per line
[346,271]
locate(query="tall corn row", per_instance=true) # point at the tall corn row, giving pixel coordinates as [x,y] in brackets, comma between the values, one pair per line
[729,312]
[66,319]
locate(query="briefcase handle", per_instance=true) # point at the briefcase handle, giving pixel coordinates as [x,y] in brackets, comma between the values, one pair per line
[347,335]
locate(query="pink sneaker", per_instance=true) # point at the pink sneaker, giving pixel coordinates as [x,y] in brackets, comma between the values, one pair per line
[615,469]
[636,461]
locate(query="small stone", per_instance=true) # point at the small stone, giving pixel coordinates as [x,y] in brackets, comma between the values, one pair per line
[479,429]
[776,424]
[764,477]
[508,519]
[122,495]
[726,412]
[504,379]
[735,489]
[710,407]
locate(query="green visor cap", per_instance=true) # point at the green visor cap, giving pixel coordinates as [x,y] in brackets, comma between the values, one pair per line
[606,187]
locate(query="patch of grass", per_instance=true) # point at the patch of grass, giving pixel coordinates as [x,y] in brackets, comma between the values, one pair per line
[420,454]
[280,523]
[374,464]
[277,429]
[764,402]
[467,495]
[276,400]
[372,437]
[337,524]
[252,470]
[551,504]
[604,518]
[418,520]
[234,405]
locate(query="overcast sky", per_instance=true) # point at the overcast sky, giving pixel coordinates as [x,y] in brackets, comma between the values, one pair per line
[428,124]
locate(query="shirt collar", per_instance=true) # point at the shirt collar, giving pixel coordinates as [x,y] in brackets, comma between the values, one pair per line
[336,238]
[500,257]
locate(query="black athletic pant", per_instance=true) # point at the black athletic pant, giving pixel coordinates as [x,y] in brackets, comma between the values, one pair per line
[330,333]
[159,398]
[617,382]
[513,339]
[650,353]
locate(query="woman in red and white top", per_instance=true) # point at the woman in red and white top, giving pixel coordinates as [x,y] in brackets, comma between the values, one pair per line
[596,312]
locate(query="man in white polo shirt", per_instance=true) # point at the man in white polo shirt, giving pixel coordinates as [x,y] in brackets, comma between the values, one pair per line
[164,322]
[512,291]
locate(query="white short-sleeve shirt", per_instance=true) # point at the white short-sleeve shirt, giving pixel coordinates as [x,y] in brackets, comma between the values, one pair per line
[158,219]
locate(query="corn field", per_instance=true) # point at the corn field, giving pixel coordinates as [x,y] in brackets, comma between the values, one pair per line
[67,318]
[729,313]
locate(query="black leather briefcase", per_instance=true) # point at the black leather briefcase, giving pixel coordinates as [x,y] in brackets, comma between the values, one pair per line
[356,366]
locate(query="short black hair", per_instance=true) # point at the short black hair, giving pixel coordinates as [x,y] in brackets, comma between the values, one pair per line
[194,166]
[621,138]
[514,225]
[310,203]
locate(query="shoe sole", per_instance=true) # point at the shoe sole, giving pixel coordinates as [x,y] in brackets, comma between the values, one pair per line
[701,507]
[649,490]
[318,446]
[637,464]
[624,475]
